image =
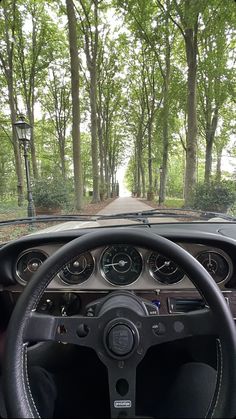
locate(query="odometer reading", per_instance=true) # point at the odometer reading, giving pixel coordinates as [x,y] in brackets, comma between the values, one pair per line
[121,264]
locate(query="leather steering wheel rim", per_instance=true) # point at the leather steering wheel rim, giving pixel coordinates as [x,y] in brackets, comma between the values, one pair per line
[16,383]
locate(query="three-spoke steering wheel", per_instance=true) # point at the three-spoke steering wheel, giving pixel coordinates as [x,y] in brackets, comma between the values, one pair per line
[121,328]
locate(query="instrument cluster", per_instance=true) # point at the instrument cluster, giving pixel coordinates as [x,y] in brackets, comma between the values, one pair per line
[122,265]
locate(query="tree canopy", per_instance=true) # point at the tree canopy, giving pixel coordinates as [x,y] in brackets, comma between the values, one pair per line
[149,85]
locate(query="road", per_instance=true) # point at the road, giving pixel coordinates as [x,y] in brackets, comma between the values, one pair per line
[124,204]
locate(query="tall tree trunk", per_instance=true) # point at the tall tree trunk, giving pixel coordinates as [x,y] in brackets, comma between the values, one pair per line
[101,154]
[191,140]
[93,106]
[150,180]
[165,141]
[143,180]
[62,155]
[218,165]
[165,151]
[30,112]
[7,65]
[210,136]
[74,62]
[16,147]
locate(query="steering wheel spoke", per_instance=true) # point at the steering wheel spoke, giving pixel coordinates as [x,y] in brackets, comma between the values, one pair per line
[79,330]
[166,328]
[122,387]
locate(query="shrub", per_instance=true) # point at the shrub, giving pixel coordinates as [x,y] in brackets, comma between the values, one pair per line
[215,196]
[50,193]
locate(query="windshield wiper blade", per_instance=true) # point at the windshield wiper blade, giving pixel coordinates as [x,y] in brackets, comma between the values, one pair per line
[48,218]
[173,212]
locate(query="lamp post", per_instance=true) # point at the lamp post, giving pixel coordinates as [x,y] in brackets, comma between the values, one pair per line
[23,131]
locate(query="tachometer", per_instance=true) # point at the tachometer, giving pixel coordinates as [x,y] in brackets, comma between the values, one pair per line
[78,270]
[121,264]
[163,269]
[215,264]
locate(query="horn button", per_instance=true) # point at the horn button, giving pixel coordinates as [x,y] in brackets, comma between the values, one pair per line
[120,340]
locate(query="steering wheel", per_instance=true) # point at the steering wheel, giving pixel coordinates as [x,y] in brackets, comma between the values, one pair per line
[121,329]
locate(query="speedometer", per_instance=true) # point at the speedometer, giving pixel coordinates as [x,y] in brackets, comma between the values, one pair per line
[121,264]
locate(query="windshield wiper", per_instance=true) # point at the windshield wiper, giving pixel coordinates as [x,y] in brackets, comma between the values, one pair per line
[140,216]
[48,218]
[173,212]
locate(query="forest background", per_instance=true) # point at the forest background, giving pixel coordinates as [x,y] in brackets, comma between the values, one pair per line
[108,85]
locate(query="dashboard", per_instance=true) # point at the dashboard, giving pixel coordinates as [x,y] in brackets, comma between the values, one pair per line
[122,265]
[151,275]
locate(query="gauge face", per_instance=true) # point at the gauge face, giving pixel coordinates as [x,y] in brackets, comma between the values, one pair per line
[164,270]
[28,263]
[121,264]
[78,270]
[215,264]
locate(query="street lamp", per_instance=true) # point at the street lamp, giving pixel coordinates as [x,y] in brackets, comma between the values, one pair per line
[23,131]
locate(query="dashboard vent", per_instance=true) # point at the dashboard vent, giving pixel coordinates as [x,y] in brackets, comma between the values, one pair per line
[184,305]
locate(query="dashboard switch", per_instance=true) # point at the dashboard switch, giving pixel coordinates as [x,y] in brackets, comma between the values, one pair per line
[152,309]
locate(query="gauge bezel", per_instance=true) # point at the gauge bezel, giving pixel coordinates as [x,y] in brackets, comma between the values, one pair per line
[164,275]
[103,273]
[79,283]
[222,254]
[19,279]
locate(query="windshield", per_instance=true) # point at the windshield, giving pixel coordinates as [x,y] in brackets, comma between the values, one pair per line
[115,107]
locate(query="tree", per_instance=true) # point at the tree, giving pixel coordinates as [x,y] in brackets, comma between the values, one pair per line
[33,55]
[89,27]
[57,102]
[215,77]
[74,62]
[7,32]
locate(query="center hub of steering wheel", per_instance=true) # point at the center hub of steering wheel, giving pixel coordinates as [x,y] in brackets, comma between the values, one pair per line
[120,340]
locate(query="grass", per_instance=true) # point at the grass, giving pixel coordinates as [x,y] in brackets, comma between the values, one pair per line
[174,203]
[10,211]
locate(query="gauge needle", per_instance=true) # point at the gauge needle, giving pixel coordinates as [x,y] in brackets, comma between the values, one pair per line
[166,263]
[120,263]
[209,262]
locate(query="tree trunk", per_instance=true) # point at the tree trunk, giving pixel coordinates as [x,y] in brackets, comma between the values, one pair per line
[163,178]
[150,180]
[191,140]
[16,148]
[93,106]
[74,61]
[8,68]
[208,161]
[101,154]
[218,165]
[62,155]
[143,180]
[165,142]
[210,136]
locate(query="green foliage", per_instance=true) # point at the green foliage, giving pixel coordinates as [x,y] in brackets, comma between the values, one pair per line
[50,193]
[174,202]
[215,196]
